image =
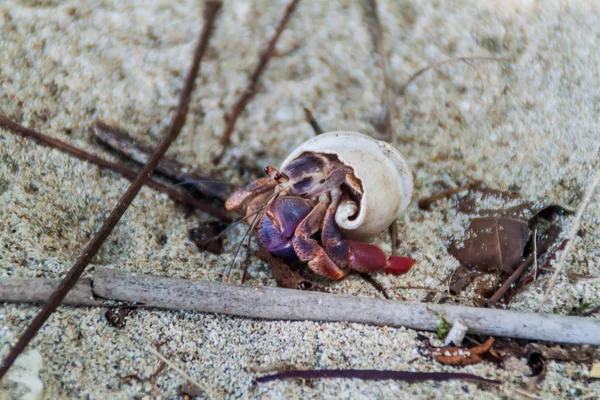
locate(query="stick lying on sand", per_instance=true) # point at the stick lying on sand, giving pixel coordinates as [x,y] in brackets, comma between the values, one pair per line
[287,304]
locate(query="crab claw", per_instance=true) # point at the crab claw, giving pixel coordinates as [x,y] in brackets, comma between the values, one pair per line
[398,265]
[366,257]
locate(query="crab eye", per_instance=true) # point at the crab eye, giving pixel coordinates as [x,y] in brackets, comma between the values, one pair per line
[280,177]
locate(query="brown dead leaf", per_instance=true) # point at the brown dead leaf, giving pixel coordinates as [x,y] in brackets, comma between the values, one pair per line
[459,356]
[494,243]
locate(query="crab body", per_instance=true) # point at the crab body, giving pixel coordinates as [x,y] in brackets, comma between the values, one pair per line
[305,203]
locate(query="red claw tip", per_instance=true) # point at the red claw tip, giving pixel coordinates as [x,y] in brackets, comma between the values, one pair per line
[398,265]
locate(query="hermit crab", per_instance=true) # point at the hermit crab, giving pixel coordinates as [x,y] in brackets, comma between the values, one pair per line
[330,195]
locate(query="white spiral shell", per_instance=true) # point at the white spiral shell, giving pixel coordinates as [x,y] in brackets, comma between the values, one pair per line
[386,179]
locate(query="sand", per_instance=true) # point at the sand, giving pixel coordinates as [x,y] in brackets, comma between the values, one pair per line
[530,124]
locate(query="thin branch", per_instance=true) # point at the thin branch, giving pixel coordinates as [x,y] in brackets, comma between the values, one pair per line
[386,100]
[377,33]
[290,304]
[535,254]
[122,142]
[175,368]
[511,279]
[402,89]
[177,195]
[375,375]
[373,282]
[177,122]
[539,251]
[572,233]
[528,279]
[425,202]
[250,91]
[393,232]
[312,121]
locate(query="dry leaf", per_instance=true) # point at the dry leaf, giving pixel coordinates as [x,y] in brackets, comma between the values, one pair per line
[459,356]
[494,243]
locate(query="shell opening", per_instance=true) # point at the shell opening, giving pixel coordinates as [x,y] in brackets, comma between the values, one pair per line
[346,215]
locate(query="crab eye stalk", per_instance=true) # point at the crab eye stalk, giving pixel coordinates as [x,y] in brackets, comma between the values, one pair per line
[278,176]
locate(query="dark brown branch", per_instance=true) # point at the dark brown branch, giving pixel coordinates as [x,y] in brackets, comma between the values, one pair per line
[425,202]
[312,121]
[177,195]
[177,122]
[375,375]
[511,279]
[373,282]
[122,142]
[543,247]
[529,278]
[250,91]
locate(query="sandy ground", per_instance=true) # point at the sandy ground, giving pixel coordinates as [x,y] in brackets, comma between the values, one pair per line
[530,124]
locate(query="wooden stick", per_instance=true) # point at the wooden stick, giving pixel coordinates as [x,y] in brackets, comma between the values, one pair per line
[287,304]
[92,248]
[122,142]
[38,290]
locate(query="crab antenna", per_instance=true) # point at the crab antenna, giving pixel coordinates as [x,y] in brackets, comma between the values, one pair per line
[231,226]
[248,231]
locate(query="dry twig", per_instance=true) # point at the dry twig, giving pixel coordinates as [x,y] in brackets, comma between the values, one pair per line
[414,76]
[375,375]
[175,368]
[388,107]
[177,122]
[425,202]
[122,142]
[572,233]
[182,197]
[377,33]
[250,91]
[312,121]
[288,304]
